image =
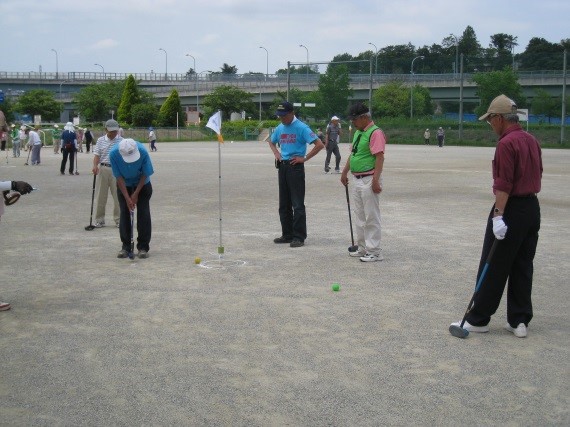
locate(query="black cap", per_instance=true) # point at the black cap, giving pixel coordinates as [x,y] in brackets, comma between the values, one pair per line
[357,109]
[284,108]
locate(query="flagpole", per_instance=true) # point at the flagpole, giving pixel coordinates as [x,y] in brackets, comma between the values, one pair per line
[215,123]
[221,247]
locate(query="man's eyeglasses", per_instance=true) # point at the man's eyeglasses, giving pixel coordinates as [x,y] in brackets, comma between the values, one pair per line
[491,117]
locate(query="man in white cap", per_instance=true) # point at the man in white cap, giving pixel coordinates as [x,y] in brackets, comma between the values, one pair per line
[514,222]
[68,147]
[132,168]
[331,143]
[102,168]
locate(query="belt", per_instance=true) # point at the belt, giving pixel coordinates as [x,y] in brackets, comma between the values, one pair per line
[362,176]
[524,196]
[105,164]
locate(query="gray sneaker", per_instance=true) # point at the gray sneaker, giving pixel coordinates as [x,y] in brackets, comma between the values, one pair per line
[296,243]
[100,224]
[123,253]
[143,254]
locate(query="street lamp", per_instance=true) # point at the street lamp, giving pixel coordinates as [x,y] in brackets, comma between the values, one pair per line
[376,66]
[56,65]
[412,85]
[65,81]
[267,62]
[166,64]
[196,83]
[456,53]
[302,45]
[102,69]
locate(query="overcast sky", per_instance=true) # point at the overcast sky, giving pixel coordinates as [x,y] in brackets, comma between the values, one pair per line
[125,36]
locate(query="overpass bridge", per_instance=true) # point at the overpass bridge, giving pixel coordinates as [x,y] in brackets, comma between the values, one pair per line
[264,88]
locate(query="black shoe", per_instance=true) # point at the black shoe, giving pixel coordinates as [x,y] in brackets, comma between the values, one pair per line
[297,243]
[282,239]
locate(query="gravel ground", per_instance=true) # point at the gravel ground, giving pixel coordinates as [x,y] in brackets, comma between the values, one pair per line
[96,340]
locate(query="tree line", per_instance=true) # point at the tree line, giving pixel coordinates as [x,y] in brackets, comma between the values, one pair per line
[439,58]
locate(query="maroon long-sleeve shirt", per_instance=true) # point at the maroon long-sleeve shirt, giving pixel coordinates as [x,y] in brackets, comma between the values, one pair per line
[517,166]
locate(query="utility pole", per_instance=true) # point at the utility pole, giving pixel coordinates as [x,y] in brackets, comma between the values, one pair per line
[562,124]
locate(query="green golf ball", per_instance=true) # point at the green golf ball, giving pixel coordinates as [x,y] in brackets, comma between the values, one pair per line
[335,287]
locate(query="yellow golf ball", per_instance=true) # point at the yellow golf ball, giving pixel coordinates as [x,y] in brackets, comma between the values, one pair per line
[197,260]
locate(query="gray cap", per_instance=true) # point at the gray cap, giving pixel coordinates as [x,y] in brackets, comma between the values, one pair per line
[111,125]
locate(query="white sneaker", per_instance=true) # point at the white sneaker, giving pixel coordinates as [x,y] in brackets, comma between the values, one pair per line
[519,331]
[469,327]
[356,254]
[368,257]
[100,224]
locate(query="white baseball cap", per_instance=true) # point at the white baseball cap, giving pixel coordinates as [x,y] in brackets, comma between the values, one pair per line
[129,150]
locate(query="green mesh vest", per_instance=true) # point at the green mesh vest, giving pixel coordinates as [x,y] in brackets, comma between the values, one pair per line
[361,160]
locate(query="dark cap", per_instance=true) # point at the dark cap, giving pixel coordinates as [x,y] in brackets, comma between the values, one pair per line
[357,109]
[284,108]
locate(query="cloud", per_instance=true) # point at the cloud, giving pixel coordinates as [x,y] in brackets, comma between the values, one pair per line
[103,44]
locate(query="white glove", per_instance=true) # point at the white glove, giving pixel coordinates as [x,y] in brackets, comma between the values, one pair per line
[499,227]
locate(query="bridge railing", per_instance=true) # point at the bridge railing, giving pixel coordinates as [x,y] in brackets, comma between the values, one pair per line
[250,79]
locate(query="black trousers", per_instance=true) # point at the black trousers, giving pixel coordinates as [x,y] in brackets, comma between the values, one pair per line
[144,224]
[332,148]
[292,201]
[71,155]
[512,263]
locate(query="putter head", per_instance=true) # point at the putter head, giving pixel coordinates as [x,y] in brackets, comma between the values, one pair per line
[458,332]
[90,227]
[353,248]
[131,255]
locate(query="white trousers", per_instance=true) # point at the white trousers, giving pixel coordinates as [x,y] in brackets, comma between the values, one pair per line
[367,216]
[106,182]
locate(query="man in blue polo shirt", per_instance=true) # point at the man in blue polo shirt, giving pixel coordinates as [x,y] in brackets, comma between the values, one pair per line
[293,136]
[132,168]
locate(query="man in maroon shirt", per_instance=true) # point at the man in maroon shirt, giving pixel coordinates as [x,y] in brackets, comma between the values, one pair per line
[514,221]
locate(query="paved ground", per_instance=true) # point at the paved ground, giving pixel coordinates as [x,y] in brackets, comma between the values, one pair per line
[95,340]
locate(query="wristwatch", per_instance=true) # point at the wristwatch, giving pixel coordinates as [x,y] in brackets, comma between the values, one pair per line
[497,211]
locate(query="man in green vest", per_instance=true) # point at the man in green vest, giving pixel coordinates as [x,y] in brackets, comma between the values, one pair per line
[365,164]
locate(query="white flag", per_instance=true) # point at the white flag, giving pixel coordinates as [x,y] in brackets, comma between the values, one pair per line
[215,123]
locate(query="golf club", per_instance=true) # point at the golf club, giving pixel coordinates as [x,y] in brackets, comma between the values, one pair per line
[459,331]
[354,247]
[132,249]
[28,159]
[77,162]
[91,226]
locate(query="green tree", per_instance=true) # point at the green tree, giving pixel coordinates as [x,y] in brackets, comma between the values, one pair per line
[228,69]
[494,83]
[544,104]
[334,91]
[540,54]
[396,59]
[7,108]
[40,101]
[144,114]
[471,49]
[95,101]
[167,116]
[228,99]
[129,99]
[391,100]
